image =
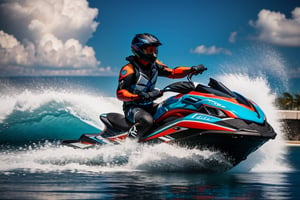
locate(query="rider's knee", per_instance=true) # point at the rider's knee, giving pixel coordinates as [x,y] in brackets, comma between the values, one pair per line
[147,121]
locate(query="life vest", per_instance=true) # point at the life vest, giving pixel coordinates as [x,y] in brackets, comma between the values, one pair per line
[144,83]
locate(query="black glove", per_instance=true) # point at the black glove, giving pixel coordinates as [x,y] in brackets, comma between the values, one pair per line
[150,96]
[198,69]
[156,93]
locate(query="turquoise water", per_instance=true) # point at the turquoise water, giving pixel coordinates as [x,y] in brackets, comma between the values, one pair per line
[39,112]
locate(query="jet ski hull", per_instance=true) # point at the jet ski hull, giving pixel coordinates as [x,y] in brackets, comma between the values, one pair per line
[235,146]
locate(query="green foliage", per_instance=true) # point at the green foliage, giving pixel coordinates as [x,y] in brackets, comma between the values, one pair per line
[288,102]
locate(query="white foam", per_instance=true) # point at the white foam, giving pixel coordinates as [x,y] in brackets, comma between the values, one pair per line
[271,157]
[129,156]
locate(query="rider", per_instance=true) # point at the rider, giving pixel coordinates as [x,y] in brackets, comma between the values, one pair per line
[137,82]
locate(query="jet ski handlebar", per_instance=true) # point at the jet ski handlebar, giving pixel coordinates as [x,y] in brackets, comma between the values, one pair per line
[182,87]
[189,76]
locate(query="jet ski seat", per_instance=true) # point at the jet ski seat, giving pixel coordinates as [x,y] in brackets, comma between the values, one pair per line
[116,121]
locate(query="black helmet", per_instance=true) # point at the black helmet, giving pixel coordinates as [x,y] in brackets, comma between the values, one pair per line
[141,41]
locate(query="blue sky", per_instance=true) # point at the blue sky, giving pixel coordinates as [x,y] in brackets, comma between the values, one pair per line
[185,25]
[80,37]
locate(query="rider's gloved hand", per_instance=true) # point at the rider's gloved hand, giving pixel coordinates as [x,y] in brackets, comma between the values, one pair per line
[150,96]
[198,69]
[143,95]
[156,93]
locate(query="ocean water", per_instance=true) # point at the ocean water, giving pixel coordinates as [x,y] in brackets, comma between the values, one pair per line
[38,112]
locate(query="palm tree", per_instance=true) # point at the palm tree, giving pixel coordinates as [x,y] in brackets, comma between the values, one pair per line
[297,102]
[286,102]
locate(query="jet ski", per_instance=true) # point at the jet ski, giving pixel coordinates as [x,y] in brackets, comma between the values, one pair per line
[198,116]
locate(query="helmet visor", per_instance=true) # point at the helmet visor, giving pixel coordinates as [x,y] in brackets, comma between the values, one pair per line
[150,50]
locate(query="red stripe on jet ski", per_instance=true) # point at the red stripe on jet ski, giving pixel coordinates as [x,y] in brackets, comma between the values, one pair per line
[189,124]
[232,100]
[118,137]
[183,112]
[203,125]
[163,133]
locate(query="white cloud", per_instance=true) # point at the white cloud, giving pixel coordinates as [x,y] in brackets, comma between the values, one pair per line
[13,52]
[202,49]
[232,37]
[275,28]
[48,33]
[54,52]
